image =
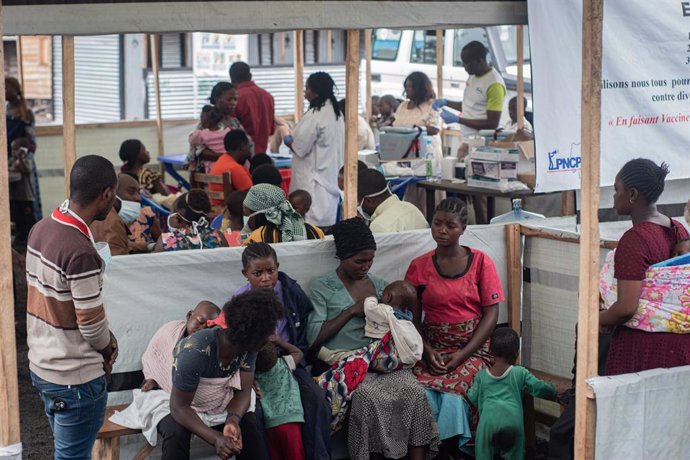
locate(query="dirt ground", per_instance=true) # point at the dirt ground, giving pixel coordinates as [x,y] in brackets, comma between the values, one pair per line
[35,431]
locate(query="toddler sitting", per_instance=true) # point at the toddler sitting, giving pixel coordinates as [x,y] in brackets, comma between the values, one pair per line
[209,135]
[393,313]
[497,392]
[280,399]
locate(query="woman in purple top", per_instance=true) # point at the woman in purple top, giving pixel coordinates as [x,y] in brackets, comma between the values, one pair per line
[260,267]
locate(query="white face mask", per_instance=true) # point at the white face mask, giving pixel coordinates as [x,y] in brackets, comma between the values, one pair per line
[360,209]
[104,252]
[129,210]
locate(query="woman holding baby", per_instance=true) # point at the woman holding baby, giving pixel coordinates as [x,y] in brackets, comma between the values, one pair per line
[389,415]
[459,291]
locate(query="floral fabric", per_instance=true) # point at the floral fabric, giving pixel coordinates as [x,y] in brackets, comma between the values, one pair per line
[140,229]
[344,377]
[183,239]
[664,300]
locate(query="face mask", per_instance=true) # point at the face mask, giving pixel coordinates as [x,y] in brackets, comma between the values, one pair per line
[360,209]
[129,210]
[245,221]
[104,253]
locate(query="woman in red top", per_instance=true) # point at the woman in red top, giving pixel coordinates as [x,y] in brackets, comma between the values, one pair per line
[459,290]
[637,187]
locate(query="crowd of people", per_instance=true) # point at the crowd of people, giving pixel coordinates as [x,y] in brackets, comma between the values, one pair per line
[414,368]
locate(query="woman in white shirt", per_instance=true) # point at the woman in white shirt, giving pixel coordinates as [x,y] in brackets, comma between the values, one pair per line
[318,144]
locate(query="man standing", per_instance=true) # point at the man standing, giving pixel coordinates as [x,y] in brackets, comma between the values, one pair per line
[70,345]
[384,210]
[481,105]
[255,107]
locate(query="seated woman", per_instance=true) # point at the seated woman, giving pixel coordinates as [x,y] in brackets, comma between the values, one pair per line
[272,218]
[135,156]
[260,267]
[390,416]
[459,291]
[188,225]
[651,239]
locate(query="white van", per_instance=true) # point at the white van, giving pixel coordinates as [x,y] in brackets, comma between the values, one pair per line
[397,53]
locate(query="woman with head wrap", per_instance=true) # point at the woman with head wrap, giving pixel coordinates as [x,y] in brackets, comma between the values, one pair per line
[272,218]
[389,415]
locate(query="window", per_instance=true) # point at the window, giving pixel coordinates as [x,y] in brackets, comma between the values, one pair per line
[423,47]
[463,37]
[508,37]
[385,44]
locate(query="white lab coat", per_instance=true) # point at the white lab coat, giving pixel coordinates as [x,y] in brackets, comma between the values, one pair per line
[319,152]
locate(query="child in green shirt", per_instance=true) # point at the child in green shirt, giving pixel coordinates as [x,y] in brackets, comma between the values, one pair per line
[497,392]
[280,399]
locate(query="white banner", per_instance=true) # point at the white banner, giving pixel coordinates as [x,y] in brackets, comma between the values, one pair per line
[213,53]
[645,98]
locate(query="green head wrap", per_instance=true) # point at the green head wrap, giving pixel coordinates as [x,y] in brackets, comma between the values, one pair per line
[270,201]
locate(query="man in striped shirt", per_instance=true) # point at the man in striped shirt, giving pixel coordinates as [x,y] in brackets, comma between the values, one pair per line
[70,346]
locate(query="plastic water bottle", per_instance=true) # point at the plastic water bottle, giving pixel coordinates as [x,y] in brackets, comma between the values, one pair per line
[517,214]
[429,160]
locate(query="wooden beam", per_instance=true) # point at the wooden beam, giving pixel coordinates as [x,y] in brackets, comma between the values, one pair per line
[69,140]
[526,231]
[439,63]
[329,47]
[568,203]
[351,93]
[588,308]
[514,255]
[298,62]
[155,65]
[281,41]
[367,51]
[9,394]
[20,64]
[520,78]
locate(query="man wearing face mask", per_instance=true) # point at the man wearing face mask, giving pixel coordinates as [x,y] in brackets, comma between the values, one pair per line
[114,229]
[70,346]
[383,209]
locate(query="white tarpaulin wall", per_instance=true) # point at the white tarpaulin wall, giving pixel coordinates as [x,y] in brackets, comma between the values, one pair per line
[643,416]
[645,94]
[141,292]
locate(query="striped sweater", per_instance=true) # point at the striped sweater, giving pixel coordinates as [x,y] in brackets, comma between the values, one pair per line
[66,323]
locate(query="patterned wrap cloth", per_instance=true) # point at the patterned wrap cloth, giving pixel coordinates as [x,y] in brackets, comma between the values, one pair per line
[270,201]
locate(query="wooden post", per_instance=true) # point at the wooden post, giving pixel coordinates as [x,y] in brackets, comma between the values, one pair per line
[367,52]
[568,203]
[329,47]
[298,62]
[9,393]
[514,255]
[439,63]
[281,39]
[351,93]
[20,64]
[69,140]
[520,78]
[588,308]
[155,50]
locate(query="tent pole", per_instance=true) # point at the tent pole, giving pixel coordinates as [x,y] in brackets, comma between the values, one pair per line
[439,63]
[281,39]
[520,78]
[367,52]
[20,63]
[155,66]
[9,392]
[514,259]
[329,46]
[69,141]
[352,97]
[588,317]
[298,62]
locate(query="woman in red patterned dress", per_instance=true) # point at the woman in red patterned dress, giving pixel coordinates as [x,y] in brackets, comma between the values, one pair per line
[637,188]
[459,291]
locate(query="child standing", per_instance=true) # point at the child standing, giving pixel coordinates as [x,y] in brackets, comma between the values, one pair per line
[497,392]
[209,135]
[21,191]
[280,399]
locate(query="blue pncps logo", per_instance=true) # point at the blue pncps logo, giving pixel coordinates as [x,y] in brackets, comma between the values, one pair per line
[558,162]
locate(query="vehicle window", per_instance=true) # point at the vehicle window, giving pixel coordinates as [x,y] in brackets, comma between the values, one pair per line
[463,37]
[508,37]
[423,47]
[385,44]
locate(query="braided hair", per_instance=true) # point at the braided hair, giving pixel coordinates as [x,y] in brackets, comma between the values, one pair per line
[645,176]
[352,236]
[323,85]
[256,251]
[454,206]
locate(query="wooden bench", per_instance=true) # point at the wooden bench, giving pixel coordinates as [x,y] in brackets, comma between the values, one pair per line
[107,446]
